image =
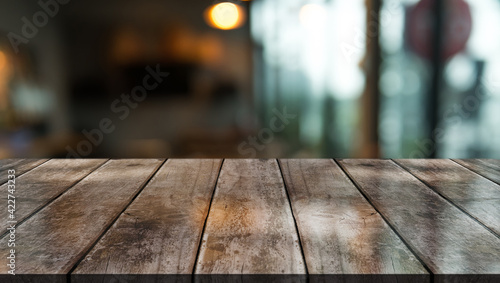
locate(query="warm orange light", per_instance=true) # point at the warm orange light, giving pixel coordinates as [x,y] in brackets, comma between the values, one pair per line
[4,80]
[3,60]
[210,49]
[225,16]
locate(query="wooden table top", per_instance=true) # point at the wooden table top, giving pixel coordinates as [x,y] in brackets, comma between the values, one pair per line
[295,219]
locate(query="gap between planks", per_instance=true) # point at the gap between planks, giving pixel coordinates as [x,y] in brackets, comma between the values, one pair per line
[293,216]
[475,171]
[24,172]
[447,198]
[68,275]
[196,258]
[26,218]
[447,240]
[265,195]
[407,244]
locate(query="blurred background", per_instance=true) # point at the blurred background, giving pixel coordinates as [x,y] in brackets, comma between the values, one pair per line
[261,78]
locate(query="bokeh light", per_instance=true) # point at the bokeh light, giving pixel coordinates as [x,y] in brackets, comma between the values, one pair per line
[3,60]
[312,15]
[225,16]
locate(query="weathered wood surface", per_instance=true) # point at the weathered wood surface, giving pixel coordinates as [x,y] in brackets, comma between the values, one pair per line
[58,236]
[250,227]
[489,168]
[98,217]
[341,233]
[159,233]
[446,239]
[476,195]
[41,185]
[20,165]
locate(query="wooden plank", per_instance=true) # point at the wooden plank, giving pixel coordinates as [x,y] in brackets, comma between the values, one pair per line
[41,185]
[446,239]
[340,232]
[250,227]
[20,165]
[489,168]
[56,238]
[159,233]
[477,196]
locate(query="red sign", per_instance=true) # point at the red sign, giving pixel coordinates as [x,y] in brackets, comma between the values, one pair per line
[457,27]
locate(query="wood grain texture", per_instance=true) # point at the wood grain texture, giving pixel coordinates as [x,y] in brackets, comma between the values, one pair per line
[250,227]
[41,185]
[20,165]
[159,233]
[445,238]
[489,168]
[341,233]
[57,237]
[476,195]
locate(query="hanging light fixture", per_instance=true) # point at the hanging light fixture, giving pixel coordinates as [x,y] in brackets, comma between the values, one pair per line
[225,16]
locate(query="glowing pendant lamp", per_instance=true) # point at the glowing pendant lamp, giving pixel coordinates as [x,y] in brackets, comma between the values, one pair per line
[225,16]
